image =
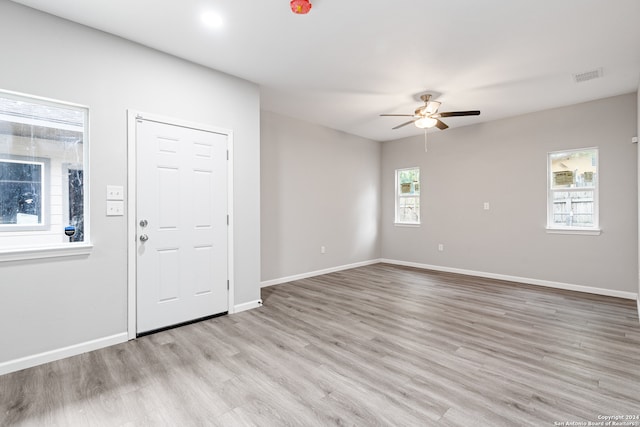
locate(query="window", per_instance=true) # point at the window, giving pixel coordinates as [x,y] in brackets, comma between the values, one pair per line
[43,168]
[21,195]
[408,196]
[573,190]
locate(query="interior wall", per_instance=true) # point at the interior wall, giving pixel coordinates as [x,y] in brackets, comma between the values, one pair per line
[320,187]
[48,305]
[505,163]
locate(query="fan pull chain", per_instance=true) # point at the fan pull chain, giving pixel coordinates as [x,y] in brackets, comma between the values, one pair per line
[425,141]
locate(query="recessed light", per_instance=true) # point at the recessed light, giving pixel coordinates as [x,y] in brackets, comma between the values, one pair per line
[212,19]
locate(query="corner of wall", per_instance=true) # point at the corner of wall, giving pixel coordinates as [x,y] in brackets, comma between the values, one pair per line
[638,165]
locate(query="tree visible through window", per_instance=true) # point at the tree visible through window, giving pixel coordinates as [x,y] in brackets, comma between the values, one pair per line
[408,196]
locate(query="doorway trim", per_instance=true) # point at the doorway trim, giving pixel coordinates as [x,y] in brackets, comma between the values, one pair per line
[132,117]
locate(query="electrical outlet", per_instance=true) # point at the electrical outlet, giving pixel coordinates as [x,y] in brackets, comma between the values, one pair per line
[323,250]
[486,206]
[441,247]
[115,192]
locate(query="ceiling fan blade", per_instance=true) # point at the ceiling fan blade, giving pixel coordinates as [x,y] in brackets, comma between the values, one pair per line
[441,125]
[396,115]
[404,124]
[458,113]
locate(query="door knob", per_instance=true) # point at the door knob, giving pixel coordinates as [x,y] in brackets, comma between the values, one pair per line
[144,223]
[144,237]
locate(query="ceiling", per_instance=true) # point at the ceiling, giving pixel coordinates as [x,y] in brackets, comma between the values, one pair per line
[348,61]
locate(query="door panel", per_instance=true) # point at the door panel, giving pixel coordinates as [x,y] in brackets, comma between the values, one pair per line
[168,195]
[182,194]
[169,278]
[204,270]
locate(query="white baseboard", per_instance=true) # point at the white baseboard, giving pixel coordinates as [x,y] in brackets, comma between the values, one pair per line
[247,306]
[526,280]
[317,273]
[61,353]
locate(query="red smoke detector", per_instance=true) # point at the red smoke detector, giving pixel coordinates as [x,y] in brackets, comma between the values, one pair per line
[301,7]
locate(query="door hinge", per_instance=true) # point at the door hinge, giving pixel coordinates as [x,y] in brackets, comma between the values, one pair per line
[227,154]
[227,219]
[227,285]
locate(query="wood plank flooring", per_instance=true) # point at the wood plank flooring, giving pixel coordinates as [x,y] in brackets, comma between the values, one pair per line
[374,346]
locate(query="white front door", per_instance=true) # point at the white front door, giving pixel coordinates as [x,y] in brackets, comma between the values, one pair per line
[181,224]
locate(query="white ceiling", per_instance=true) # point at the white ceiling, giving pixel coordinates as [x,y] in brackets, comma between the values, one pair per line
[348,61]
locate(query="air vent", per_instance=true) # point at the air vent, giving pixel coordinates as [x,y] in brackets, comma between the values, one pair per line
[587,75]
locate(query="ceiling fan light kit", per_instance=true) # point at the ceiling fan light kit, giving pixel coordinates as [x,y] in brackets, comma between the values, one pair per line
[300,7]
[427,116]
[426,123]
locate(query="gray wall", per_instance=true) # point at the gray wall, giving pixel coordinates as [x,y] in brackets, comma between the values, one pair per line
[320,187]
[504,163]
[46,305]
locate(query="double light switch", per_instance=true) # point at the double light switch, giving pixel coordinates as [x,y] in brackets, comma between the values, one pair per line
[115,200]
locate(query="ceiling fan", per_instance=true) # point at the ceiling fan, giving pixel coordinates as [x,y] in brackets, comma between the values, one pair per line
[427,116]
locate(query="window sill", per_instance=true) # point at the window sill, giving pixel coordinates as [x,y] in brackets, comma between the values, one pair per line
[578,231]
[406,224]
[43,252]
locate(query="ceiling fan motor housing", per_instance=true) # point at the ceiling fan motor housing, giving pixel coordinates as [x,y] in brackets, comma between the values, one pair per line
[300,7]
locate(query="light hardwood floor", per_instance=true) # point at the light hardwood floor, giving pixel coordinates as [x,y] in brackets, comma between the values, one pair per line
[377,345]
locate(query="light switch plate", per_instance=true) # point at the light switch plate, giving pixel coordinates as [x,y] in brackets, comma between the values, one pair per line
[115,192]
[115,208]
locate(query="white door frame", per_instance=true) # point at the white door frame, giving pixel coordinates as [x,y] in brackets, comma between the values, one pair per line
[132,230]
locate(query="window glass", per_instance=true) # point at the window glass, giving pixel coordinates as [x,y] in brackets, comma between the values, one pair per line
[408,196]
[21,192]
[409,210]
[573,169]
[573,209]
[43,167]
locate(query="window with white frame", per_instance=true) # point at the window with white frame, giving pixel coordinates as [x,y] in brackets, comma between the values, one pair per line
[408,196]
[43,172]
[573,190]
